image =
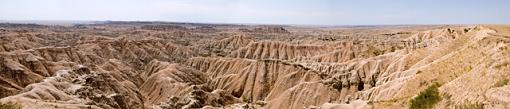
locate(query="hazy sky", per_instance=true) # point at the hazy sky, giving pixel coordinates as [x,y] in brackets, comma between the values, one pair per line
[322,12]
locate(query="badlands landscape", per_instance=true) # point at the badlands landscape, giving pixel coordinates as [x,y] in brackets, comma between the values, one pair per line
[168,65]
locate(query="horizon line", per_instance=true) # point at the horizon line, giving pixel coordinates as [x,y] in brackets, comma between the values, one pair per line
[75,22]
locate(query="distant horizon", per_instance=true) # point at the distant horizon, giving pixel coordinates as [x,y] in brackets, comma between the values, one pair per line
[66,22]
[286,12]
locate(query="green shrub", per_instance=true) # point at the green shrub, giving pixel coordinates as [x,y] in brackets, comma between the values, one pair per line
[427,98]
[501,83]
[10,106]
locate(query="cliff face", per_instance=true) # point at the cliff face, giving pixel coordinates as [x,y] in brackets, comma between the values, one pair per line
[121,66]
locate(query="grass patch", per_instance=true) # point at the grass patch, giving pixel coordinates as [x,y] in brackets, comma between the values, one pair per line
[427,98]
[501,83]
[10,106]
[470,106]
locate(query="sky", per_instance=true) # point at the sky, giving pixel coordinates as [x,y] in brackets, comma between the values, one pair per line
[307,12]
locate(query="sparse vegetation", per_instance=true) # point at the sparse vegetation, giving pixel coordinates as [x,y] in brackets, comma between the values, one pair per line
[470,106]
[10,106]
[247,99]
[501,83]
[260,103]
[467,69]
[427,98]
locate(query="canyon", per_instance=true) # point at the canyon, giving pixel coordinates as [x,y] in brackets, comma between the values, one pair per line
[168,65]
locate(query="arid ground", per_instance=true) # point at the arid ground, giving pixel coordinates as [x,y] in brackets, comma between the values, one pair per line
[165,65]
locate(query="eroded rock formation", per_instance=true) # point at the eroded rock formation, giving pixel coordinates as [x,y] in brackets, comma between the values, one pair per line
[167,66]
